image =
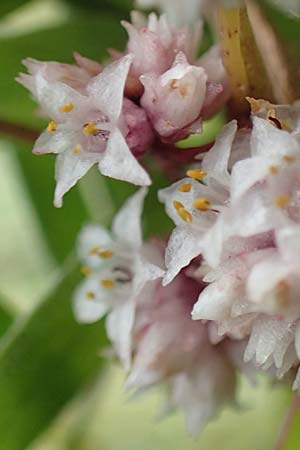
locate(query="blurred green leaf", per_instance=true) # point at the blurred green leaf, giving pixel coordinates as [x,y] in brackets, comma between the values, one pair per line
[44,361]
[6,319]
[91,35]
[121,5]
[6,6]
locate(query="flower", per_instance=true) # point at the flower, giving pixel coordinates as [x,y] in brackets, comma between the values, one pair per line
[194,203]
[77,76]
[118,266]
[174,100]
[171,349]
[88,129]
[155,43]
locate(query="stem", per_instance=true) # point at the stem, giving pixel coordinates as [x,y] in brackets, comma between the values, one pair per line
[18,131]
[287,423]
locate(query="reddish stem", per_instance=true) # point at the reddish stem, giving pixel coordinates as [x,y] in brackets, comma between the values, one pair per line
[287,423]
[18,131]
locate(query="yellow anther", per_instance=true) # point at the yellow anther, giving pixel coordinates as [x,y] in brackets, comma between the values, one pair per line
[94,251]
[90,295]
[186,187]
[86,271]
[67,108]
[77,149]
[90,129]
[106,254]
[273,170]
[177,205]
[289,159]
[108,283]
[202,203]
[196,174]
[185,215]
[52,126]
[281,200]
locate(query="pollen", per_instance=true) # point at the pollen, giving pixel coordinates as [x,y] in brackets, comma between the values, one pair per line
[281,200]
[86,271]
[107,283]
[68,107]
[77,149]
[94,251]
[105,254]
[52,126]
[90,129]
[202,203]
[186,187]
[90,295]
[177,205]
[196,174]
[288,159]
[273,170]
[185,215]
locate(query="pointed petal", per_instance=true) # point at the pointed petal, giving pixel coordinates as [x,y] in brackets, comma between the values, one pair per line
[89,311]
[107,89]
[127,224]
[119,329]
[119,163]
[183,246]
[69,169]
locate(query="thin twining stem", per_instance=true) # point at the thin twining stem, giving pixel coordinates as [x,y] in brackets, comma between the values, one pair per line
[18,131]
[287,423]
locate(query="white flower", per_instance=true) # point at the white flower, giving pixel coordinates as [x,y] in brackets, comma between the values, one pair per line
[173,350]
[87,129]
[194,203]
[117,268]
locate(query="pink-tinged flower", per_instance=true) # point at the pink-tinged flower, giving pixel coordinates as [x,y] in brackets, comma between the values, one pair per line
[170,348]
[118,266]
[88,129]
[140,133]
[154,44]
[174,100]
[194,203]
[77,76]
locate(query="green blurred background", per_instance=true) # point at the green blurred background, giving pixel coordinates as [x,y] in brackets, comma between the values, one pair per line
[56,391]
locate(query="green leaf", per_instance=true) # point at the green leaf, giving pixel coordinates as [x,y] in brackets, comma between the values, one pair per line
[44,362]
[6,318]
[7,6]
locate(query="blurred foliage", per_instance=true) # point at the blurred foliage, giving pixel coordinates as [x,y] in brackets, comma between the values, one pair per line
[44,360]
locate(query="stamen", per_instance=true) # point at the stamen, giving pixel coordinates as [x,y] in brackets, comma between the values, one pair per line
[289,159]
[186,187]
[106,254]
[283,293]
[94,251]
[86,271]
[282,200]
[202,203]
[177,205]
[90,129]
[185,215]
[90,295]
[273,170]
[77,149]
[196,174]
[52,126]
[108,283]
[67,108]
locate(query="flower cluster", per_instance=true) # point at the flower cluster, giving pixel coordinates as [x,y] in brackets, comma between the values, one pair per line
[221,293]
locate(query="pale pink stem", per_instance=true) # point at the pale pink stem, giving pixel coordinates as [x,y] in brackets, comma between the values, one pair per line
[287,423]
